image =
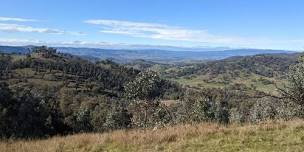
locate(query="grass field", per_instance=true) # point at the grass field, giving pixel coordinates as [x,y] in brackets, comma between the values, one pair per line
[209,137]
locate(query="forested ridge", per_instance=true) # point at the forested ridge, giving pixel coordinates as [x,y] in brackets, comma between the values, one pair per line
[268,65]
[46,93]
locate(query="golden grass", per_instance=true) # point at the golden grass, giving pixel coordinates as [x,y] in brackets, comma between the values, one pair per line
[267,136]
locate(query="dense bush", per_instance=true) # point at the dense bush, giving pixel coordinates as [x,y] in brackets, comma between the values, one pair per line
[294,91]
[270,108]
[118,118]
[24,115]
[146,86]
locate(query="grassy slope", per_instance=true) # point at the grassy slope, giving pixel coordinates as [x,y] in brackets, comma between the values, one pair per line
[269,136]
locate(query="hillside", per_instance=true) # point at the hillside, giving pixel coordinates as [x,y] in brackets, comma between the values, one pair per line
[48,93]
[257,72]
[208,137]
[261,72]
[62,71]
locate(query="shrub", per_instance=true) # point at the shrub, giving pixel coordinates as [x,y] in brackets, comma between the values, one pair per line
[117,118]
[270,108]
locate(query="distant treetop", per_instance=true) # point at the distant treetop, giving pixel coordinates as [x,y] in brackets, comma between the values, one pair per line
[44,49]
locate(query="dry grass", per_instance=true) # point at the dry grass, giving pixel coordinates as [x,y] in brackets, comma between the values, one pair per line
[267,136]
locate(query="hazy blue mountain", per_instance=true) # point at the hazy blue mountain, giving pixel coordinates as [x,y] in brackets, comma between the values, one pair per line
[157,55]
[15,49]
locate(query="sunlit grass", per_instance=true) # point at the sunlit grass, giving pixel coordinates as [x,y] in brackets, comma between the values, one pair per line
[209,137]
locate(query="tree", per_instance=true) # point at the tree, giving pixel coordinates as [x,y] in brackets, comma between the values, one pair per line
[44,51]
[5,65]
[294,91]
[222,113]
[117,118]
[145,89]
[146,86]
[24,115]
[5,109]
[206,105]
[81,121]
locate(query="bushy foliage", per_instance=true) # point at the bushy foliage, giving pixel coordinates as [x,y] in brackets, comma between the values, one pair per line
[24,115]
[149,114]
[294,91]
[146,86]
[118,118]
[207,105]
[269,109]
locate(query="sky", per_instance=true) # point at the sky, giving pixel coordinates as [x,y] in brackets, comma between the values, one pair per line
[267,24]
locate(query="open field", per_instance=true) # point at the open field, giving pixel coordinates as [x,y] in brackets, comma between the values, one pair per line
[209,137]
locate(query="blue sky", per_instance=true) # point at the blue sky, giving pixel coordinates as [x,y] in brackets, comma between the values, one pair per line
[274,24]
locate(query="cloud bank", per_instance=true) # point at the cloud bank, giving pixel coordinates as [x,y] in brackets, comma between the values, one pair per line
[5,27]
[15,27]
[76,43]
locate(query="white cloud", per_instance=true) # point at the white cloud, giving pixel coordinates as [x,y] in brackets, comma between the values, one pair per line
[166,32]
[76,43]
[24,28]
[163,32]
[5,19]
[17,42]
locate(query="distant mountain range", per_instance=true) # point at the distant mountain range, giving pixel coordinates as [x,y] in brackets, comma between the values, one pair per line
[161,55]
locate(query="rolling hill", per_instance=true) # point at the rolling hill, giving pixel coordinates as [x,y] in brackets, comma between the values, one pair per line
[245,68]
[262,72]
